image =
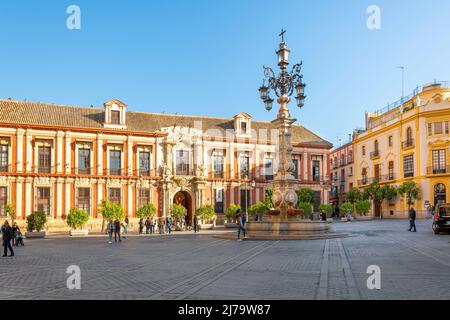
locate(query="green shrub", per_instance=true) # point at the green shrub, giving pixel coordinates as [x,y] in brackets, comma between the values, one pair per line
[363,207]
[178,211]
[260,207]
[11,212]
[346,207]
[306,207]
[36,221]
[147,211]
[77,218]
[231,211]
[111,211]
[327,208]
[206,212]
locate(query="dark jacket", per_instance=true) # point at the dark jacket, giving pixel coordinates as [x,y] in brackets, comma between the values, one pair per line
[117,226]
[7,233]
[412,214]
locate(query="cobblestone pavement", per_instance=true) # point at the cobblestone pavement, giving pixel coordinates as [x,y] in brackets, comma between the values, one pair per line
[413,266]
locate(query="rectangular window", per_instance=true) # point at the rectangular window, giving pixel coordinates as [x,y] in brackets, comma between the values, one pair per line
[115,117]
[144,164]
[3,158]
[408,166]
[316,170]
[84,199]
[3,200]
[438,128]
[219,195]
[84,161]
[363,151]
[268,168]
[114,195]
[182,161]
[115,162]
[430,129]
[244,127]
[144,197]
[218,166]
[391,171]
[438,161]
[295,173]
[244,166]
[43,200]
[44,159]
[391,141]
[446,127]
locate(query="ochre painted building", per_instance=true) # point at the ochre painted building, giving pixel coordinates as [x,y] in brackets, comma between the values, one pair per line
[408,141]
[54,158]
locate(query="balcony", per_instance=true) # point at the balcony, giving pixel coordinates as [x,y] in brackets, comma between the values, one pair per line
[114,172]
[349,160]
[83,171]
[42,169]
[364,181]
[342,163]
[438,170]
[409,174]
[317,180]
[410,143]
[5,169]
[375,154]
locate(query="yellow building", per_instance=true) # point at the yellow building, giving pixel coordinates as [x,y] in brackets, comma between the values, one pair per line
[407,141]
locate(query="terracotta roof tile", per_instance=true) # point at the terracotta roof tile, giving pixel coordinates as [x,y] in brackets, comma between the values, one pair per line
[34,113]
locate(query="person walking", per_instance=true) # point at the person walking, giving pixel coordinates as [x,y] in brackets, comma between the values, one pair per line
[110,229]
[117,228]
[196,225]
[412,220]
[152,225]
[160,226]
[147,225]
[168,225]
[141,225]
[241,225]
[16,230]
[7,236]
[125,227]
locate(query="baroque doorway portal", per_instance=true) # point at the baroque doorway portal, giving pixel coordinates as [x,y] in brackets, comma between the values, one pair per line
[184,198]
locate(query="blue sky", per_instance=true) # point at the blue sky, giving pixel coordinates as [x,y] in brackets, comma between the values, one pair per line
[205,57]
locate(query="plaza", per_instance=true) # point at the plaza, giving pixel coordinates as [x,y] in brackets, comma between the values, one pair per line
[203,266]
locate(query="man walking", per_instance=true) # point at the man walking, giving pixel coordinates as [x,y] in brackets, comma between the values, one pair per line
[141,225]
[117,227]
[168,224]
[110,228]
[147,226]
[7,235]
[196,226]
[412,220]
[241,225]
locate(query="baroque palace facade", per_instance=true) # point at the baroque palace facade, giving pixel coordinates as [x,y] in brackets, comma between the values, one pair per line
[54,158]
[407,141]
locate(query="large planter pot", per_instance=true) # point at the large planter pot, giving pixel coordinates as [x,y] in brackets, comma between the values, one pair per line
[207,226]
[35,235]
[79,233]
[230,225]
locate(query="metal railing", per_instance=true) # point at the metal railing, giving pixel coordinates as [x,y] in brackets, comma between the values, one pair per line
[438,170]
[375,154]
[6,169]
[408,143]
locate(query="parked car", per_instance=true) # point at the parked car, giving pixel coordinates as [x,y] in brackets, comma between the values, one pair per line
[442,219]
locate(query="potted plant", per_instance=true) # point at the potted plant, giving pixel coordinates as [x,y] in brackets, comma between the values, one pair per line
[76,220]
[327,208]
[147,211]
[346,208]
[306,207]
[257,210]
[230,214]
[207,216]
[35,224]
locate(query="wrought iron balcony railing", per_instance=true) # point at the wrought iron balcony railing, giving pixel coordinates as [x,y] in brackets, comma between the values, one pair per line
[438,170]
[375,154]
[408,143]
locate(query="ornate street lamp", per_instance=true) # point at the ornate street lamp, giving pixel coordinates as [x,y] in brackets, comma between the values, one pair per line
[283,85]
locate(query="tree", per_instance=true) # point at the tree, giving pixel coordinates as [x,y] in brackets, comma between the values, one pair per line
[36,221]
[305,195]
[178,212]
[410,191]
[112,211]
[363,207]
[77,218]
[268,198]
[354,195]
[231,211]
[147,211]
[346,207]
[306,207]
[389,192]
[11,212]
[327,208]
[375,193]
[206,213]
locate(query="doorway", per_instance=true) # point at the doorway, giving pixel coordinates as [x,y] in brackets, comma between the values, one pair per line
[184,199]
